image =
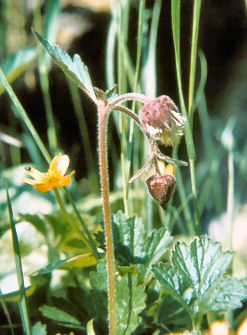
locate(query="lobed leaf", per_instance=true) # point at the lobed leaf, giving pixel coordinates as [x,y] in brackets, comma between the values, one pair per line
[133,246]
[39,329]
[198,278]
[129,304]
[74,68]
[98,282]
[130,298]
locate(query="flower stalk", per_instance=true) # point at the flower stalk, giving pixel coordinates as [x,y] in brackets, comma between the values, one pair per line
[104,110]
[103,115]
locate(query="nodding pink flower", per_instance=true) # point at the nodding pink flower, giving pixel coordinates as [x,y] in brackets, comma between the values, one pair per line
[161,119]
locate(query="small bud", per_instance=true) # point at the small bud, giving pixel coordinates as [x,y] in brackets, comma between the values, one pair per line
[161,188]
[161,119]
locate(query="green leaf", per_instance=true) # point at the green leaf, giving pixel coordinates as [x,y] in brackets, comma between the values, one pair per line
[98,282]
[227,295]
[171,314]
[130,298]
[90,329]
[14,66]
[133,246]
[155,246]
[128,235]
[129,304]
[60,316]
[39,329]
[75,68]
[198,280]
[78,261]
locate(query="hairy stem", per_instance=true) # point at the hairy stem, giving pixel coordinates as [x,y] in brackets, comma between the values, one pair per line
[103,114]
[129,96]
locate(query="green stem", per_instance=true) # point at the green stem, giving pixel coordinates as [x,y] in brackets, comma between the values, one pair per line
[195,197]
[92,172]
[141,18]
[23,304]
[89,241]
[194,39]
[51,130]
[45,87]
[102,128]
[197,323]
[123,14]
[187,129]
[23,116]
[61,205]
[83,224]
[230,197]
[230,216]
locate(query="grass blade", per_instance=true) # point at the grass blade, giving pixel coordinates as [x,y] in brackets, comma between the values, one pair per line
[176,39]
[194,41]
[175,8]
[26,323]
[51,11]
[91,168]
[6,312]
[141,18]
[23,115]
[14,66]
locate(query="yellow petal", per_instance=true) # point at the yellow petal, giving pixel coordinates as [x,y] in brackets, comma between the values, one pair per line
[219,328]
[65,180]
[30,181]
[36,174]
[43,187]
[170,168]
[54,164]
[63,164]
[242,329]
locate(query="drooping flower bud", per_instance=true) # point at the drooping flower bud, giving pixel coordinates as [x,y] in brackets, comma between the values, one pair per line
[161,119]
[161,188]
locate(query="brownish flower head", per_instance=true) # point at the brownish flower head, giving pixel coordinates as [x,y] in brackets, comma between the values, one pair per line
[161,119]
[161,187]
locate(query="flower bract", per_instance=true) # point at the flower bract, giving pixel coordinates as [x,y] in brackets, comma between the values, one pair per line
[55,176]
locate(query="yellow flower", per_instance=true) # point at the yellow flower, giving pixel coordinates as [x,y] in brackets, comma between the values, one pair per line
[45,181]
[242,329]
[219,327]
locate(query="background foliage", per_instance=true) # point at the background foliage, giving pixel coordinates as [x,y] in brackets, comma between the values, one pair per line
[131,46]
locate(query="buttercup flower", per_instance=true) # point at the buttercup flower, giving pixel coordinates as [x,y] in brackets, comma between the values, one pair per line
[45,181]
[161,119]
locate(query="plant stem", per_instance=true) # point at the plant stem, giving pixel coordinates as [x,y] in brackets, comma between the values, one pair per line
[122,23]
[230,198]
[194,39]
[197,226]
[89,242]
[45,86]
[187,127]
[92,170]
[129,96]
[103,113]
